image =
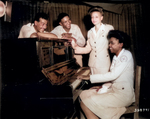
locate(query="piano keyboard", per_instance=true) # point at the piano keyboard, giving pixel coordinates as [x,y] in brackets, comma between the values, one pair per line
[77,82]
[82,71]
[86,72]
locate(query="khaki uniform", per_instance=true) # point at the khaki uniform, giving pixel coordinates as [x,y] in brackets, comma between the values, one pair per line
[112,103]
[97,46]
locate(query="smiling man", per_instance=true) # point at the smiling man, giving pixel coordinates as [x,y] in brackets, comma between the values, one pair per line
[67,30]
[31,29]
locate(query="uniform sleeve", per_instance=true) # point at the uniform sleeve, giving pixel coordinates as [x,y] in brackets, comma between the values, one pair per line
[80,39]
[25,32]
[111,28]
[116,71]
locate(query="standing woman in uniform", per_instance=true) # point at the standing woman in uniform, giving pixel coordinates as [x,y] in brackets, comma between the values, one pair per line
[97,43]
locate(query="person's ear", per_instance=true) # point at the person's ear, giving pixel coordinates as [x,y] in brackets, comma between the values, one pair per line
[60,23]
[35,23]
[121,45]
[102,18]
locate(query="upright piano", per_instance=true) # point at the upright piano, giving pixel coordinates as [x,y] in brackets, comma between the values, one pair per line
[39,79]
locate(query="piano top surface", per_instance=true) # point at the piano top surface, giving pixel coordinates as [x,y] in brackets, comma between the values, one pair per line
[20,60]
[42,39]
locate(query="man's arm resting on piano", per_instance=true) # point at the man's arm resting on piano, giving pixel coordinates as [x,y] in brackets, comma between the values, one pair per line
[43,35]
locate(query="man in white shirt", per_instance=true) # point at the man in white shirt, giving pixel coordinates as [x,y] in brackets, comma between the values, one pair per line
[66,27]
[39,25]
[69,31]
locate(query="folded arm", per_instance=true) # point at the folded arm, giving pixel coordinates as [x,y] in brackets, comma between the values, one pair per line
[46,35]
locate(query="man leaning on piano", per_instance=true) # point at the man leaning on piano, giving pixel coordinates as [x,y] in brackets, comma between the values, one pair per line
[65,30]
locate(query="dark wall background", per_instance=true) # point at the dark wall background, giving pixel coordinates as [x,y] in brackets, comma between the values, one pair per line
[145,60]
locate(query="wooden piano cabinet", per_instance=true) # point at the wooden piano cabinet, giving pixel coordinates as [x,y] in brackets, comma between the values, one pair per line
[27,93]
[37,101]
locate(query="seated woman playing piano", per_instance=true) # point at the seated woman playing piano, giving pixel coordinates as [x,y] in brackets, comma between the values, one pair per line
[109,101]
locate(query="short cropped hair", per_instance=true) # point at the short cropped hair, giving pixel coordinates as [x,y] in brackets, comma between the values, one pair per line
[61,16]
[96,9]
[121,36]
[40,15]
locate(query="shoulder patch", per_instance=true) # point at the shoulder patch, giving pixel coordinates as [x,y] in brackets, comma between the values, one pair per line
[123,58]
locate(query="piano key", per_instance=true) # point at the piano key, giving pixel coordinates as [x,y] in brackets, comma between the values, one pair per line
[75,84]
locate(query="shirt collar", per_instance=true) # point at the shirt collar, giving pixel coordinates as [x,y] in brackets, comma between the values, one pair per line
[70,31]
[122,51]
[101,28]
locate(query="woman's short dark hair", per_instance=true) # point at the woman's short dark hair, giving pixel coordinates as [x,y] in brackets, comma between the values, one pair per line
[40,15]
[61,16]
[96,9]
[121,36]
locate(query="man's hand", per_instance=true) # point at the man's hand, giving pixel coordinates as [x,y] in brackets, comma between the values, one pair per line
[66,44]
[72,39]
[67,35]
